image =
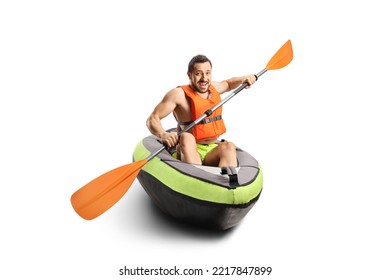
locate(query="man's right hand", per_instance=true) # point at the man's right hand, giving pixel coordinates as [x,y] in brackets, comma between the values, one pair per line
[169,139]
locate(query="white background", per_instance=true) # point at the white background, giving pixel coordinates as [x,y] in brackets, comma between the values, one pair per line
[79,78]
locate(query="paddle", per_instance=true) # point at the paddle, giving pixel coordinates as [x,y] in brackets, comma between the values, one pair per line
[103,192]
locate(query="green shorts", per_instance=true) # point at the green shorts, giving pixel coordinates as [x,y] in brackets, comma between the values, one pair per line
[203,150]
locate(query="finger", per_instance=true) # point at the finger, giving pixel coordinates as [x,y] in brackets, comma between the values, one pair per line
[175,138]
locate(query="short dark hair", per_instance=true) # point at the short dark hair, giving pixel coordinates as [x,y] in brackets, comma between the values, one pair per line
[200,58]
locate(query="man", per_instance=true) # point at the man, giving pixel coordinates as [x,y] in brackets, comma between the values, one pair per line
[187,103]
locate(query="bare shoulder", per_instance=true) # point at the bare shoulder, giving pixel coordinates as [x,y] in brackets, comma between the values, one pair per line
[175,95]
[182,109]
[172,101]
[221,87]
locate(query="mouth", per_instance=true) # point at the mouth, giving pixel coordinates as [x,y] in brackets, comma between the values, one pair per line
[203,84]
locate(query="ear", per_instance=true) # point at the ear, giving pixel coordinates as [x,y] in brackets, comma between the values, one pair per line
[189,75]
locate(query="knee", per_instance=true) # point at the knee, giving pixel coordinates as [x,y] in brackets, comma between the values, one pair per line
[186,140]
[227,147]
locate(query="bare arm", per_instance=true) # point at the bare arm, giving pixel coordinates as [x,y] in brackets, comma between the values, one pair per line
[232,83]
[163,109]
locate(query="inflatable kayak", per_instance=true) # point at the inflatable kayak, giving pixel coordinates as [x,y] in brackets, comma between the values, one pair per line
[206,196]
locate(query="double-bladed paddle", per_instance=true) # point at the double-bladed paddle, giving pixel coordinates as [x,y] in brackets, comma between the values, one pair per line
[96,197]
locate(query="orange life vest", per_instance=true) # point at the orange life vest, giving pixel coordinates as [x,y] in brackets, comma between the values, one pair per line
[211,126]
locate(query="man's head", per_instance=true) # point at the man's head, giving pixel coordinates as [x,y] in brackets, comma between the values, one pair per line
[200,58]
[199,73]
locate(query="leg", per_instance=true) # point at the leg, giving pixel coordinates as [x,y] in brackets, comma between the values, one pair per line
[187,149]
[223,155]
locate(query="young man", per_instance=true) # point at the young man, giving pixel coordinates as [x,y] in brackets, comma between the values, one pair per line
[189,102]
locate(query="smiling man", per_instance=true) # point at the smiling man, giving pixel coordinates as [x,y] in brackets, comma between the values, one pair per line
[187,103]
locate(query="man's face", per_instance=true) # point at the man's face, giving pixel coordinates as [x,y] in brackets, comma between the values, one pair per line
[201,77]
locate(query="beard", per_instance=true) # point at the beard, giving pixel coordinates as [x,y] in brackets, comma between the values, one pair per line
[201,89]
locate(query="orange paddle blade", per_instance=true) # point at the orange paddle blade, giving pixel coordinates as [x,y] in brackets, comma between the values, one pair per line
[282,58]
[100,194]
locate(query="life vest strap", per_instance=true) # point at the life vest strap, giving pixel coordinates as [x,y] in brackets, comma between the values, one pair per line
[184,123]
[204,121]
[208,120]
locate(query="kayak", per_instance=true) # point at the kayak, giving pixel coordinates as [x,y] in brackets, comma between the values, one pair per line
[205,196]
